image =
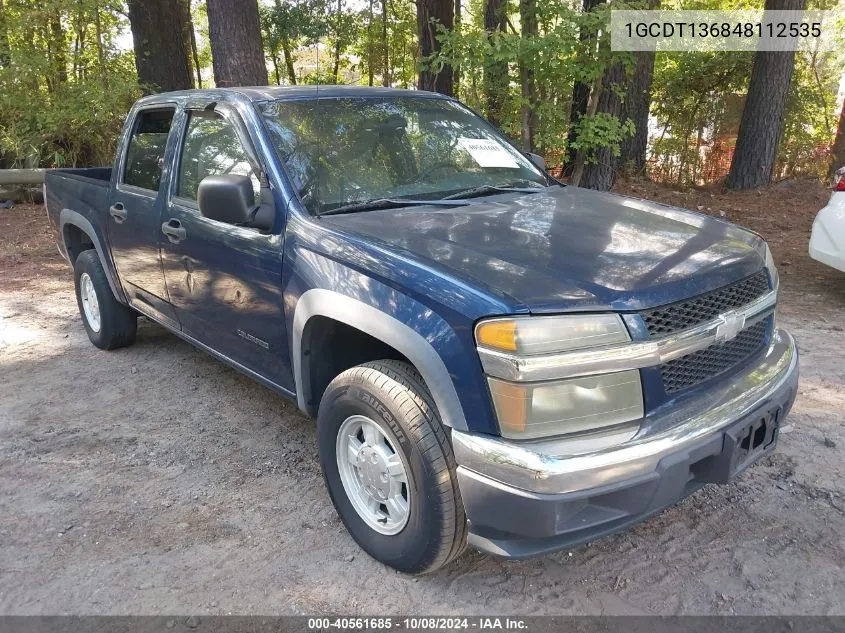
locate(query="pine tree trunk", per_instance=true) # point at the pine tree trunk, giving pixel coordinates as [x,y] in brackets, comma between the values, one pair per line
[78,42]
[288,61]
[580,160]
[195,55]
[5,52]
[101,58]
[528,110]
[495,72]
[336,70]
[430,14]
[371,49]
[57,45]
[837,152]
[761,125]
[237,51]
[636,107]
[456,70]
[385,77]
[601,173]
[580,97]
[277,74]
[190,39]
[161,55]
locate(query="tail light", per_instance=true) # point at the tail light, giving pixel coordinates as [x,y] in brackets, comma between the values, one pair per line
[839,179]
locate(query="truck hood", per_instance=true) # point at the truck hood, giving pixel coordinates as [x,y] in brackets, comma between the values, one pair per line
[569,248]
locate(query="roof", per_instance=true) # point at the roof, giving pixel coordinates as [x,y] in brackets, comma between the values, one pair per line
[274,93]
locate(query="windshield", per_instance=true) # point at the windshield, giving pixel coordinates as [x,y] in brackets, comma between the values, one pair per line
[342,151]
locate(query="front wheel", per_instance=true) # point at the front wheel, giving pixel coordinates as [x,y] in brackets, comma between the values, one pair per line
[389,467]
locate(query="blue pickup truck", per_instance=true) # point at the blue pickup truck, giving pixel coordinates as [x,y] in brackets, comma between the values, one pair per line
[493,358]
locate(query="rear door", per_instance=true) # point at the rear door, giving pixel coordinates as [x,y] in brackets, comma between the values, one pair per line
[134,216]
[224,280]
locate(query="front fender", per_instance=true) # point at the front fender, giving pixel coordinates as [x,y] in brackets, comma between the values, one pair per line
[384,327]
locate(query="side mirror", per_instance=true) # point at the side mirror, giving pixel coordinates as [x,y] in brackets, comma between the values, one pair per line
[229,198]
[538,161]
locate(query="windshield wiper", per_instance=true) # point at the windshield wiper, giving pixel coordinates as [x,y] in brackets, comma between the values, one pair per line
[487,190]
[389,203]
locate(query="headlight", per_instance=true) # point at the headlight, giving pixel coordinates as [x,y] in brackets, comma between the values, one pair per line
[528,336]
[531,410]
[773,271]
[528,410]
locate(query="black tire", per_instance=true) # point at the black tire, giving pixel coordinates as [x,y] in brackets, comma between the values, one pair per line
[118,323]
[393,394]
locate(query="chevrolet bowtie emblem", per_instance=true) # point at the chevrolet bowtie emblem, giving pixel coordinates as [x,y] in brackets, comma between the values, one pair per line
[731,325]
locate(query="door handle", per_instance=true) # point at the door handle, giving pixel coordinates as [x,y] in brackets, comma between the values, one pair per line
[174,231]
[118,212]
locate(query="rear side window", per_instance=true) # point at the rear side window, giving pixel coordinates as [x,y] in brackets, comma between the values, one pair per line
[145,154]
[212,148]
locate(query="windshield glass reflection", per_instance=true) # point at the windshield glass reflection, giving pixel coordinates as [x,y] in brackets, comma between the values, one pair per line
[340,151]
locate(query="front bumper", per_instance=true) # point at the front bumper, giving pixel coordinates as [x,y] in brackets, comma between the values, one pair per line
[529,498]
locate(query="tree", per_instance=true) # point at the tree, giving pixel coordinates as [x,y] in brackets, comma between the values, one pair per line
[342,28]
[4,39]
[528,110]
[456,69]
[191,39]
[837,151]
[385,43]
[56,51]
[762,120]
[600,173]
[495,69]
[289,25]
[273,25]
[431,15]
[162,55]
[580,91]
[237,50]
[371,47]
[636,106]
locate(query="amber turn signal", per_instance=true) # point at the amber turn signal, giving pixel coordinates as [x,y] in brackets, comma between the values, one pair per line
[499,334]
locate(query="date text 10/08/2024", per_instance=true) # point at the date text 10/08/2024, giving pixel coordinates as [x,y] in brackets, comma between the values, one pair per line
[417,623]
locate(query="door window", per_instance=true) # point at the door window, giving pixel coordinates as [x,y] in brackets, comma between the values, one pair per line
[212,148]
[145,154]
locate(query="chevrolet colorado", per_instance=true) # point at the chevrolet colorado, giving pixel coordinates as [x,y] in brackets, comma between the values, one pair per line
[493,358]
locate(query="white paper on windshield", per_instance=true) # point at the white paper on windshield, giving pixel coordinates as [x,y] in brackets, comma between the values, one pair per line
[487,152]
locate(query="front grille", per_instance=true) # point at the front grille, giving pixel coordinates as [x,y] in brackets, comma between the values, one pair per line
[699,366]
[679,316]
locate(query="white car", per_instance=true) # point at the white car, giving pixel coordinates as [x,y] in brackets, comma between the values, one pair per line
[827,241]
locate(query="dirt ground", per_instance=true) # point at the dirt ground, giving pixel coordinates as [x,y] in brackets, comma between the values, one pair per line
[154,479]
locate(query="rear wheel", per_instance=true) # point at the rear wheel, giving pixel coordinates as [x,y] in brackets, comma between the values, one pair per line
[109,323]
[389,467]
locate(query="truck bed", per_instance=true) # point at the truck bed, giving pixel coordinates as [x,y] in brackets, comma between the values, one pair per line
[78,191]
[98,175]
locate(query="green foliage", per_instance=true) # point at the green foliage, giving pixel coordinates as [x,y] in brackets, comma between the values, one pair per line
[67,78]
[810,121]
[289,25]
[570,46]
[602,130]
[697,99]
[67,86]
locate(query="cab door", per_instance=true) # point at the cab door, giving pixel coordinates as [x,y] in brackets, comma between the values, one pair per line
[224,281]
[135,208]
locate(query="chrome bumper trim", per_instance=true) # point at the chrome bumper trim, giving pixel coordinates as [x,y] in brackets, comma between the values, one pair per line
[624,356]
[562,465]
